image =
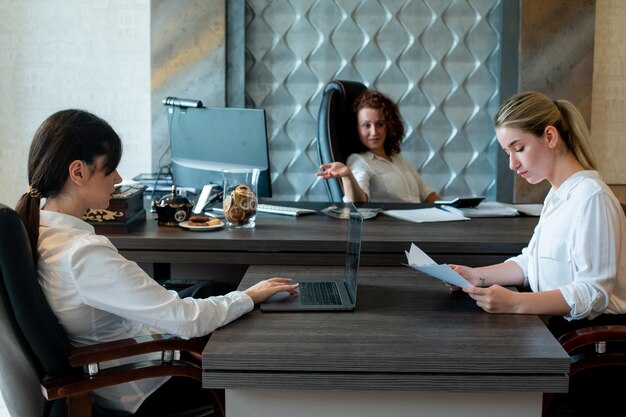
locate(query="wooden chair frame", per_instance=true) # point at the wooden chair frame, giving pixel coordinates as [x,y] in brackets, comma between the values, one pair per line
[74,373]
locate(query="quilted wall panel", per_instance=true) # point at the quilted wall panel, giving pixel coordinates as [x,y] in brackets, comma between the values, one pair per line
[439,59]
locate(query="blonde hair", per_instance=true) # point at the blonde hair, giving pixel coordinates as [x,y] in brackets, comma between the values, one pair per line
[533,112]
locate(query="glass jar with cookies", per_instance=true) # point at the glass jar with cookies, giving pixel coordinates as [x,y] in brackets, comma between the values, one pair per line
[240,197]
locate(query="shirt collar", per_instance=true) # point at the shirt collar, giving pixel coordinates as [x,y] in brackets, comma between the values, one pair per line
[373,156]
[570,184]
[55,219]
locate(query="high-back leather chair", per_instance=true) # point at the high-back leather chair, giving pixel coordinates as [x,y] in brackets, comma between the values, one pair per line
[337,134]
[41,374]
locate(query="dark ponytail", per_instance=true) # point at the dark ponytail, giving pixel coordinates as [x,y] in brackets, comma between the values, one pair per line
[66,136]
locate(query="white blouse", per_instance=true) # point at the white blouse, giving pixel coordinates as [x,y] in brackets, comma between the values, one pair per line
[98,296]
[388,181]
[579,247]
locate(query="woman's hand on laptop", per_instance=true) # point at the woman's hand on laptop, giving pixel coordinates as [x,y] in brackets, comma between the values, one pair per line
[265,289]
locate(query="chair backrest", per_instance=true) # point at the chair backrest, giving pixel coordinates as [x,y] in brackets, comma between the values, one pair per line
[19,382]
[337,134]
[33,342]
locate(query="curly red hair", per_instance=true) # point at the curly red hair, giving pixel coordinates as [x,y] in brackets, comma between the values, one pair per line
[391,116]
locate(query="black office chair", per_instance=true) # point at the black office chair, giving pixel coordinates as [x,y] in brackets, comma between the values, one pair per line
[41,374]
[337,135]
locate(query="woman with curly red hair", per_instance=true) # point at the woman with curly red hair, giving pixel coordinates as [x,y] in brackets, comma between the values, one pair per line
[378,172]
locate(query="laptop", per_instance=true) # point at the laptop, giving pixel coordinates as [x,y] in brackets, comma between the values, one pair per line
[327,295]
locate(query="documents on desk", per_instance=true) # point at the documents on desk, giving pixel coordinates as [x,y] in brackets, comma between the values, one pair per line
[418,260]
[484,209]
[425,215]
[528,209]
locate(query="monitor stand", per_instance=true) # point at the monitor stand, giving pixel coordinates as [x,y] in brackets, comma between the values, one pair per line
[210,193]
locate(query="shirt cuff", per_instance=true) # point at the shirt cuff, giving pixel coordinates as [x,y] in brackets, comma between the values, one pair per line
[243,300]
[576,303]
[522,266]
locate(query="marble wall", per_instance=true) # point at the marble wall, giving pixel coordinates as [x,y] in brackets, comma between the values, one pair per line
[608,123]
[188,53]
[556,58]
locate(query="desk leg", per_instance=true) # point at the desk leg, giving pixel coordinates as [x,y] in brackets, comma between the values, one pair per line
[289,403]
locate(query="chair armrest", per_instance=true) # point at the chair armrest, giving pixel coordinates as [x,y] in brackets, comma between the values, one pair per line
[119,349]
[587,350]
[55,388]
[77,389]
[577,339]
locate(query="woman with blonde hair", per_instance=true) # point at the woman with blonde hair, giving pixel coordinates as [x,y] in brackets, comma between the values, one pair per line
[575,262]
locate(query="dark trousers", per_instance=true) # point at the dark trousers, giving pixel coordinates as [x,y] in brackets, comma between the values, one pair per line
[205,289]
[180,392]
[559,326]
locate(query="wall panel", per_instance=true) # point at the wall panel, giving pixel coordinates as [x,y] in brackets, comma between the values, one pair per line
[438,59]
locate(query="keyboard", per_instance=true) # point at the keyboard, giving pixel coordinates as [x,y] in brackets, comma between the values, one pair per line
[319,293]
[286,211]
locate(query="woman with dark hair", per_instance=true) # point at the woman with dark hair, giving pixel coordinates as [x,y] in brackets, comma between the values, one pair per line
[575,262]
[378,172]
[96,293]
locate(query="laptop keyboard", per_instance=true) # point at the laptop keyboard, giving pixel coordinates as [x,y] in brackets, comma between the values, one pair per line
[319,293]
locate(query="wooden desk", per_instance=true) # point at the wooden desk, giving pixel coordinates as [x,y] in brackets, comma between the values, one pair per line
[320,240]
[410,347]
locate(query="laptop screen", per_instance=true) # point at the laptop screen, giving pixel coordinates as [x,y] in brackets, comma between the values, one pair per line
[353,252]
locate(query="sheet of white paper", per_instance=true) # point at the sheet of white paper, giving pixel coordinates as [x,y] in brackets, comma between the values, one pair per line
[425,215]
[418,260]
[528,209]
[484,209]
[416,256]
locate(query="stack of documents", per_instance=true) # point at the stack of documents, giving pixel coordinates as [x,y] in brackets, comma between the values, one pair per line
[484,209]
[425,215]
[527,209]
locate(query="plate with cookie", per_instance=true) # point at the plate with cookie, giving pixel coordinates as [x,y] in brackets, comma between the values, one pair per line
[200,223]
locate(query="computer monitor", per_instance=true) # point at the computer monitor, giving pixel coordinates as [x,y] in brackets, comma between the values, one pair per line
[206,140]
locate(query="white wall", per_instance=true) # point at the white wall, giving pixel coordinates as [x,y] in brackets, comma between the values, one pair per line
[57,54]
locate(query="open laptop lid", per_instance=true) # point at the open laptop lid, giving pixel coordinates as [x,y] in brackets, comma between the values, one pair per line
[347,285]
[353,251]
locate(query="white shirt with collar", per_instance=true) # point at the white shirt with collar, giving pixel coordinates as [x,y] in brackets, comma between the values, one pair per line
[388,181]
[98,295]
[579,247]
